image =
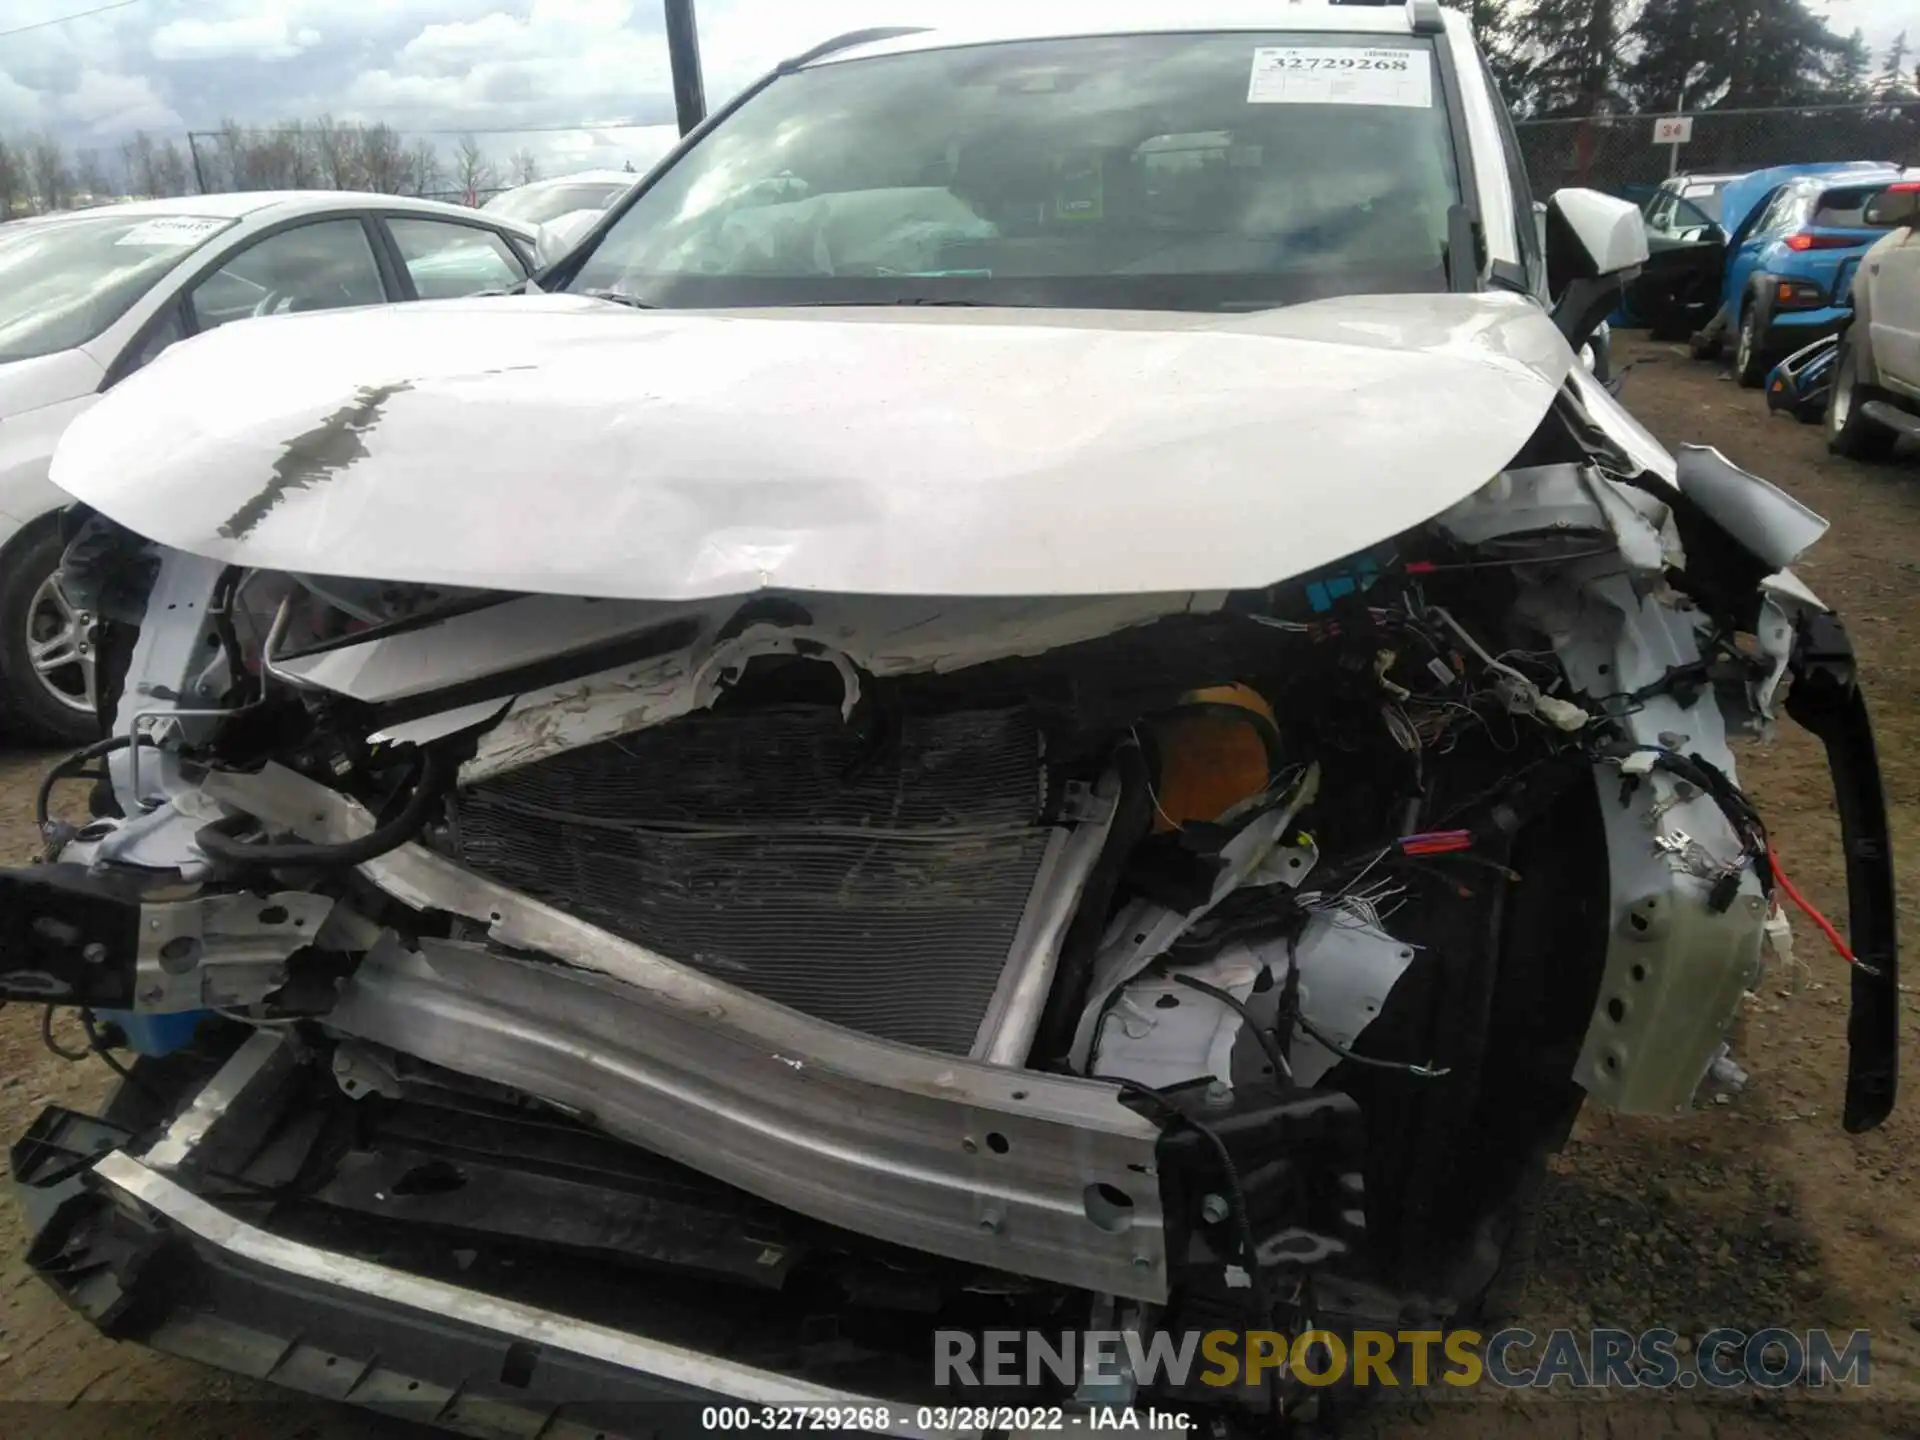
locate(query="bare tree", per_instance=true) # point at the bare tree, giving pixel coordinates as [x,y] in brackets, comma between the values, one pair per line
[336,152]
[278,159]
[230,162]
[47,165]
[425,174]
[13,179]
[383,159]
[299,167]
[472,171]
[137,160]
[526,166]
[170,170]
[90,176]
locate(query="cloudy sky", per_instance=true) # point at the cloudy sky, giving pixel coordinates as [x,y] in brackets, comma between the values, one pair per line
[599,66]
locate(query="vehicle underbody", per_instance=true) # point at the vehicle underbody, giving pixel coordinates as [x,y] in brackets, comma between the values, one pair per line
[606,1000]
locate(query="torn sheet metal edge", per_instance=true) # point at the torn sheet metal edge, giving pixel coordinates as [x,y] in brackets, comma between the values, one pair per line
[874,637]
[788,1059]
[139,1184]
[1792,592]
[857,634]
[1562,497]
[1619,423]
[1759,514]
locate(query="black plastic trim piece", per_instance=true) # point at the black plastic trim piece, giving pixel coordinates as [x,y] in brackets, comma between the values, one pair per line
[68,937]
[1826,700]
[136,1277]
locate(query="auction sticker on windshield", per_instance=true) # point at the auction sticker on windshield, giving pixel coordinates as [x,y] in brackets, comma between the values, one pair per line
[1340,75]
[172,230]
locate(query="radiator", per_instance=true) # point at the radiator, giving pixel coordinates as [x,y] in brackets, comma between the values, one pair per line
[879,886]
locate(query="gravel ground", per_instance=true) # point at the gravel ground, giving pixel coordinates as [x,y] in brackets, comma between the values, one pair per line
[1759,1212]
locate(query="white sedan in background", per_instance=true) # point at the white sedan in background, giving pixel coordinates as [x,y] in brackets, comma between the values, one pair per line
[564,207]
[88,297]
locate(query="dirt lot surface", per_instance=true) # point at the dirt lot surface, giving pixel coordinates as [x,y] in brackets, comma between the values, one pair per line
[1759,1212]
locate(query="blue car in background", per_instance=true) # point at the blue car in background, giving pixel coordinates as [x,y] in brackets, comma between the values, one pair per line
[1795,235]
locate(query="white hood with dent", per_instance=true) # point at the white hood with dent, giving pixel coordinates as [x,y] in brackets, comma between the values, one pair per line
[560,445]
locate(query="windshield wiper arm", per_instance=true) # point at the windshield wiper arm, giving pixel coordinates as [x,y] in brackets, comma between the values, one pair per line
[619,297]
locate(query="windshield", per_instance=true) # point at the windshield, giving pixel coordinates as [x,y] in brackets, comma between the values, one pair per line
[66,278]
[1140,171]
[1705,199]
[538,204]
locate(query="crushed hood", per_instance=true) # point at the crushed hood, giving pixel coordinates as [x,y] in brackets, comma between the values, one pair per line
[560,445]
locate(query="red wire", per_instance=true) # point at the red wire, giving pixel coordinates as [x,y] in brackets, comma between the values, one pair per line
[1834,937]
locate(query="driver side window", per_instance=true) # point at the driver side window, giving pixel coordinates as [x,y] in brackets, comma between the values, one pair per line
[324,266]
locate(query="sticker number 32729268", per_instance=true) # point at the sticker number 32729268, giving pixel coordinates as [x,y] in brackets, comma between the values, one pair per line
[1340,75]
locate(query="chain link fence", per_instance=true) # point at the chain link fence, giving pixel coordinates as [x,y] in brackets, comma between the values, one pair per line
[1618,153]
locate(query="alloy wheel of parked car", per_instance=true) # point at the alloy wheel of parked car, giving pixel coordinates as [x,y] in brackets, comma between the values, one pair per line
[59,647]
[1749,366]
[47,670]
[1849,432]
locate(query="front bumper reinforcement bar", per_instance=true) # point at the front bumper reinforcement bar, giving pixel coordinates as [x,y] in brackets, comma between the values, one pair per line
[980,1163]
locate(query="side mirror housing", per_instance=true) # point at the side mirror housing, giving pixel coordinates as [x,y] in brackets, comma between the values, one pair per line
[1595,243]
[1894,206]
[1590,235]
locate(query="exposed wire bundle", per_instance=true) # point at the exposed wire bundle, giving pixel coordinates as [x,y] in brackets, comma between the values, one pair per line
[1436,842]
[1826,926]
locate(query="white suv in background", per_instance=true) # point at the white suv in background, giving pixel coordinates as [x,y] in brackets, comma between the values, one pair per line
[88,297]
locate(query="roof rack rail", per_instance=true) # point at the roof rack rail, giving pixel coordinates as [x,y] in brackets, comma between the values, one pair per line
[848,41]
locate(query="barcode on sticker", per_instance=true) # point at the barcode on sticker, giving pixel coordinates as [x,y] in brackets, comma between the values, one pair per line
[1340,75]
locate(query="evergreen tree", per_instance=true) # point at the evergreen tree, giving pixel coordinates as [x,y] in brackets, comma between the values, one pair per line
[1676,53]
[1782,53]
[1736,53]
[1573,51]
[1894,82]
[1850,78]
[1493,23]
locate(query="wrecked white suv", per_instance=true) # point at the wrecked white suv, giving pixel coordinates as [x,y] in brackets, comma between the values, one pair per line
[1041,699]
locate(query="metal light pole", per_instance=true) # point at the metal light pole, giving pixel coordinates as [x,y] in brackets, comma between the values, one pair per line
[683,54]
